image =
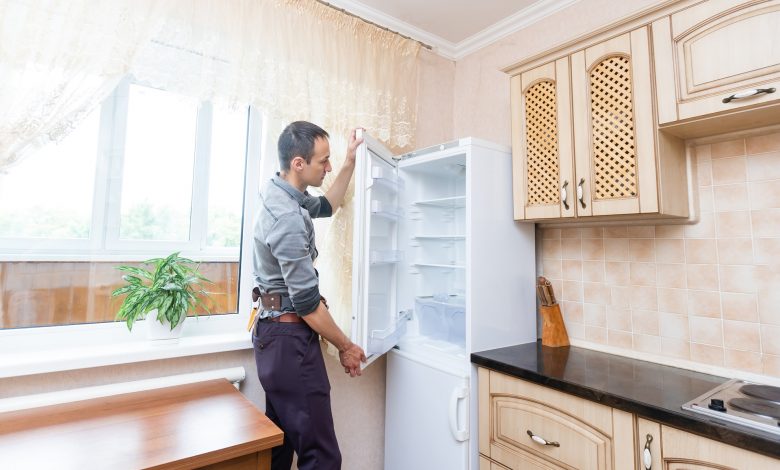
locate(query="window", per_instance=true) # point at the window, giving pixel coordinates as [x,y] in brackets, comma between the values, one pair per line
[158,166]
[50,195]
[149,173]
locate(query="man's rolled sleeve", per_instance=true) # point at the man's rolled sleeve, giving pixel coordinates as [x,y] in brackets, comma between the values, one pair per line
[289,244]
[318,206]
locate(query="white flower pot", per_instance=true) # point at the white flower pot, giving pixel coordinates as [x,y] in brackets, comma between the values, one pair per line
[160,332]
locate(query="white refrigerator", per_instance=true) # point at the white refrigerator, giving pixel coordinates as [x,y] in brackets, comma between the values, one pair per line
[440,270]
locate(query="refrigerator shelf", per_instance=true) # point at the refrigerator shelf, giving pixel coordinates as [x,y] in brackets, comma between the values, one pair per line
[381,209]
[431,265]
[439,237]
[455,202]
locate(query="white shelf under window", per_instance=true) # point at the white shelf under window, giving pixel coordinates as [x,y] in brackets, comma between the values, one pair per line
[454,202]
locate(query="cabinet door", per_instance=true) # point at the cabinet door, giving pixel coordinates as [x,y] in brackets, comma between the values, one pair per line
[720,47]
[686,451]
[542,143]
[531,426]
[648,445]
[614,127]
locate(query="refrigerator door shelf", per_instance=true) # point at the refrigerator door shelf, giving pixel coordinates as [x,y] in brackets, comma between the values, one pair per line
[382,209]
[381,341]
[386,256]
[386,178]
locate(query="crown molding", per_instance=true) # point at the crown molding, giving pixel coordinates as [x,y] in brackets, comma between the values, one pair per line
[511,24]
[448,49]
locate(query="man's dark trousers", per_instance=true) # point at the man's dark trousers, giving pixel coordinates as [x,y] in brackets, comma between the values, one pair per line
[297,392]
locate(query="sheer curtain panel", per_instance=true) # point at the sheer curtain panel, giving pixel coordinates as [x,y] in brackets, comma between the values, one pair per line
[61,58]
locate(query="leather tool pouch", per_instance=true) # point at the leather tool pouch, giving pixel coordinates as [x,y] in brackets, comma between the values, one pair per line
[271,302]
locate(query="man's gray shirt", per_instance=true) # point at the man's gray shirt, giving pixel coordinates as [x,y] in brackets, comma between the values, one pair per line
[285,251]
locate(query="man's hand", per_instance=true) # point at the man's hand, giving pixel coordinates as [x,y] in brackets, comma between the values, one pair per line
[352,145]
[351,358]
[338,189]
[350,354]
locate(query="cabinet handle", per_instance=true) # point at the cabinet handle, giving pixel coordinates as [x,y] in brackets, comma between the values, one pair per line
[564,194]
[579,192]
[542,441]
[647,457]
[747,94]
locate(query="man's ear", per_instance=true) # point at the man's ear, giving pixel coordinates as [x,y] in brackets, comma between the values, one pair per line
[297,163]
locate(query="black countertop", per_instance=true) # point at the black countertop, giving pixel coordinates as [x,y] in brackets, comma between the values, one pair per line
[650,390]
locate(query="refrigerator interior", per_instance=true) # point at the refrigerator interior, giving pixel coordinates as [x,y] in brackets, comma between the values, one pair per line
[415,219]
[432,282]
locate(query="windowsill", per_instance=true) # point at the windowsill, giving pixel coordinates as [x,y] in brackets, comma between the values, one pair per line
[45,350]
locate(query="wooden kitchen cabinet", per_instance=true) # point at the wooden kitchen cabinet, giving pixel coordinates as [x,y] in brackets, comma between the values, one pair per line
[619,165]
[542,152]
[527,426]
[622,164]
[718,57]
[673,449]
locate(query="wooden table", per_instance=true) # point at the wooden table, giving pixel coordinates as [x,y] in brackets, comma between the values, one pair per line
[203,425]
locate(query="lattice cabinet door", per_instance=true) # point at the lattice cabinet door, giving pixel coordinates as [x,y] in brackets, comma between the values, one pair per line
[542,152]
[614,127]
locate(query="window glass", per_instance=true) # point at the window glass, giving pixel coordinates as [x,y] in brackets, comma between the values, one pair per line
[49,194]
[133,161]
[226,176]
[158,166]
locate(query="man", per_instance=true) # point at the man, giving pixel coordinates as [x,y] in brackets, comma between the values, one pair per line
[287,351]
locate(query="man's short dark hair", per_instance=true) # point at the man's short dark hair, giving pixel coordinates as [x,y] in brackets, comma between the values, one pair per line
[297,139]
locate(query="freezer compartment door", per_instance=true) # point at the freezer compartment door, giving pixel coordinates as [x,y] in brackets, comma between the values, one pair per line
[426,414]
[377,322]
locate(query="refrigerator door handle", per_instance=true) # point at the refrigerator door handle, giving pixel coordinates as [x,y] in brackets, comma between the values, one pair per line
[458,393]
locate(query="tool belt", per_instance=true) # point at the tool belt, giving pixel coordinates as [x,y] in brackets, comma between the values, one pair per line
[275,302]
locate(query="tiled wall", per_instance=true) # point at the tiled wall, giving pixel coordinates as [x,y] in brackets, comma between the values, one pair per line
[707,293]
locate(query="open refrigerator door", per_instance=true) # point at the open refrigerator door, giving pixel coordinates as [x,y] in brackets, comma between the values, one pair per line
[377,323]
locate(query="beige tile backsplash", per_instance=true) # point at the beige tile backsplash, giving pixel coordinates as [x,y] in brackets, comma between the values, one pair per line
[707,293]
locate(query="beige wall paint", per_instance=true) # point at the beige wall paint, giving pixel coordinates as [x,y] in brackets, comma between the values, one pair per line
[435,100]
[358,403]
[470,97]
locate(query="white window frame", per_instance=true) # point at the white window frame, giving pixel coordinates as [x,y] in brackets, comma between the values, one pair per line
[27,351]
[104,243]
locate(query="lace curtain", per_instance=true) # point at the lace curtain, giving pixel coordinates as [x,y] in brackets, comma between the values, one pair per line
[295,59]
[59,59]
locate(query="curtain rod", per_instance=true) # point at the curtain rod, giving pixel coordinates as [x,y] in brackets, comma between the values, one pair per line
[372,23]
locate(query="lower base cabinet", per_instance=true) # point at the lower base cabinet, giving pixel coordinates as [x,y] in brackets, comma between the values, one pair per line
[527,426]
[672,449]
[524,426]
[487,464]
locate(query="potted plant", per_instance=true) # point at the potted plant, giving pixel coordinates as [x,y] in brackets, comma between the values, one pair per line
[167,292]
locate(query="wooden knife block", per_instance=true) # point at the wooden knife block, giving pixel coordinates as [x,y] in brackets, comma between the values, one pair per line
[553,329]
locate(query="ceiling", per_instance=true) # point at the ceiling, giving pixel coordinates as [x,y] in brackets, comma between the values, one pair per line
[454,28]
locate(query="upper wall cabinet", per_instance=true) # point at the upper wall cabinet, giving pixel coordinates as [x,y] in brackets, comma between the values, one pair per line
[718,58]
[617,164]
[614,128]
[542,142]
